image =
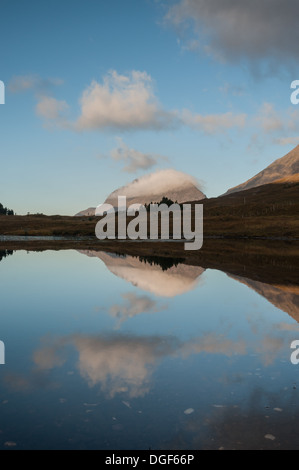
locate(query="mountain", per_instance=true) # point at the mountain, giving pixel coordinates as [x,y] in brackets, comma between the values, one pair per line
[286,298]
[173,184]
[87,212]
[284,167]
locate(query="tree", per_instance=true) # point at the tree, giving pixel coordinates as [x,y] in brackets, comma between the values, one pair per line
[5,210]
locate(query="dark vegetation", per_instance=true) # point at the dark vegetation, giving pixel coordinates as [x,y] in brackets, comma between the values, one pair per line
[5,253]
[5,210]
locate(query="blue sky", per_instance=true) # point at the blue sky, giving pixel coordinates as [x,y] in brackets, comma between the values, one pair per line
[101,92]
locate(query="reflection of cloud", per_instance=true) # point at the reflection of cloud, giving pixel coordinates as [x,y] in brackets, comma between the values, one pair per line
[50,355]
[212,343]
[19,382]
[121,364]
[134,306]
[287,326]
[125,363]
[175,281]
[270,347]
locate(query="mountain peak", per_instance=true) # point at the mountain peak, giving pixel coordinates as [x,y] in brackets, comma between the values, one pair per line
[284,167]
[175,185]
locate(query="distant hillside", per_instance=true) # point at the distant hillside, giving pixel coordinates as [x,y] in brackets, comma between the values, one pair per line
[87,212]
[284,167]
[269,210]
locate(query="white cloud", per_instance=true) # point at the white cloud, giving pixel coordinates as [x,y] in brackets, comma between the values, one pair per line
[123,102]
[51,108]
[279,125]
[47,107]
[287,140]
[269,119]
[235,90]
[21,83]
[133,159]
[213,123]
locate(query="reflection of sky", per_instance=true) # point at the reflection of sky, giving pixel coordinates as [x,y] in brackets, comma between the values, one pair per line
[72,327]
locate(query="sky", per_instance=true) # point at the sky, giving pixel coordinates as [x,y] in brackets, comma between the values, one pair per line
[101,92]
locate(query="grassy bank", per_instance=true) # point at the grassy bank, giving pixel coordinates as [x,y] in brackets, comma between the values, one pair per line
[267,211]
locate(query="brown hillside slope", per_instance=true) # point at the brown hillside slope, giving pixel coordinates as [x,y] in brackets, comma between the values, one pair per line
[280,168]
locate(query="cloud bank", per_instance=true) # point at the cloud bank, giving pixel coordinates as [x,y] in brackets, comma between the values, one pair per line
[234,30]
[121,103]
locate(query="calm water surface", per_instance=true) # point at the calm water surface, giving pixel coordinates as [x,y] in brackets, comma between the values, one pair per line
[110,352]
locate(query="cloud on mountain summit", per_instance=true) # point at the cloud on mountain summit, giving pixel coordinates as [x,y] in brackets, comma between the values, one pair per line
[165,180]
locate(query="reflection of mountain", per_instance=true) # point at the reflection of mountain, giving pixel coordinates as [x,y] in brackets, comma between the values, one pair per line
[4,253]
[286,298]
[150,277]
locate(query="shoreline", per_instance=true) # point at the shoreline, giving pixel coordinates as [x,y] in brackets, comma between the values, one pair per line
[271,261]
